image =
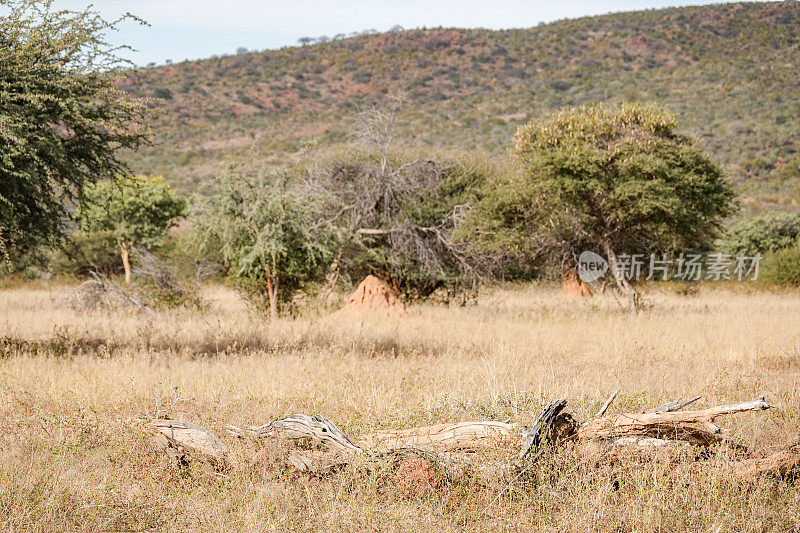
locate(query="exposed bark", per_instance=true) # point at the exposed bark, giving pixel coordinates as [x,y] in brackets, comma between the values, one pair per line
[675,405]
[341,450]
[460,436]
[273,277]
[317,428]
[606,405]
[695,427]
[623,284]
[126,262]
[541,431]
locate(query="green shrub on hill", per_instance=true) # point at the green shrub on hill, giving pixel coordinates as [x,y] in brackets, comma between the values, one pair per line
[768,232]
[782,266]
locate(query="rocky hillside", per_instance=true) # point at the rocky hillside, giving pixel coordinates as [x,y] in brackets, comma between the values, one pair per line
[730,71]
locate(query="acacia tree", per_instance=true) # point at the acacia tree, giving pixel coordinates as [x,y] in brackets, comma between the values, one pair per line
[615,178]
[62,119]
[136,211]
[271,233]
[395,207]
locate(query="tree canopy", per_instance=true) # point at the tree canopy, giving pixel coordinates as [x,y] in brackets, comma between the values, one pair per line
[615,179]
[272,234]
[136,212]
[62,118]
[399,208]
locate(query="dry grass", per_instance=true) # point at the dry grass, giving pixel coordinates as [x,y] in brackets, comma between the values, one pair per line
[74,386]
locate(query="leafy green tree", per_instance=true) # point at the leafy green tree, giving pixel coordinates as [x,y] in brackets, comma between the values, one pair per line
[618,179]
[62,118]
[137,211]
[767,232]
[271,233]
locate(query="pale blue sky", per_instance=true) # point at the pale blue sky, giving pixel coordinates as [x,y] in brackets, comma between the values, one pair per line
[191,29]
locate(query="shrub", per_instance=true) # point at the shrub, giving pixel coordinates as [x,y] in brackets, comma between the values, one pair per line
[162,93]
[136,211]
[782,266]
[160,287]
[88,251]
[764,233]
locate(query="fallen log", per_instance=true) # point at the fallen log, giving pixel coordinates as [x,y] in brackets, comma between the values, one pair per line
[675,405]
[437,446]
[316,428]
[341,450]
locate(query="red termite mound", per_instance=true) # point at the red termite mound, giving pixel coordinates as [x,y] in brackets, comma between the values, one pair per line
[373,298]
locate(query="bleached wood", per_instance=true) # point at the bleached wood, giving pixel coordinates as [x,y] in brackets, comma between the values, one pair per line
[191,437]
[666,428]
[606,405]
[695,427]
[648,442]
[462,435]
[675,405]
[317,428]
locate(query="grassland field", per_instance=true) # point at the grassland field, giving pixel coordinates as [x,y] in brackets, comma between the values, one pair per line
[77,387]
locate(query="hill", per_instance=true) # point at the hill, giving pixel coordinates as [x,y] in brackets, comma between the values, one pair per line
[729,71]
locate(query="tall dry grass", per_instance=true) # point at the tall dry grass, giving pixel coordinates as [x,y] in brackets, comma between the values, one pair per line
[75,386]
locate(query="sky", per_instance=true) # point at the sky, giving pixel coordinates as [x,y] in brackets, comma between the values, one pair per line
[193,29]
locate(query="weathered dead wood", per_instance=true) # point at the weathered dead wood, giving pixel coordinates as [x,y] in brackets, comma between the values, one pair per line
[317,428]
[648,442]
[664,426]
[540,432]
[606,405]
[181,437]
[646,429]
[342,451]
[675,405]
[695,427]
[459,436]
[315,461]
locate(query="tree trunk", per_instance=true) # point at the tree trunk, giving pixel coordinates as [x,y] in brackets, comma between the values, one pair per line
[624,285]
[273,286]
[272,294]
[125,253]
[331,278]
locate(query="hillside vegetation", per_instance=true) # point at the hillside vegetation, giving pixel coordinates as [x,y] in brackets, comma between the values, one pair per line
[729,71]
